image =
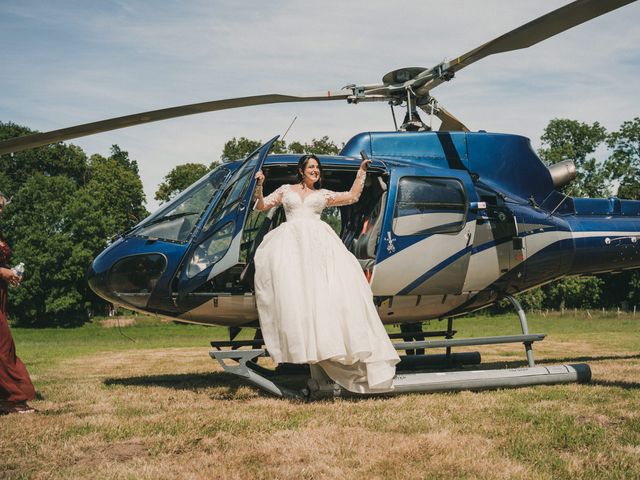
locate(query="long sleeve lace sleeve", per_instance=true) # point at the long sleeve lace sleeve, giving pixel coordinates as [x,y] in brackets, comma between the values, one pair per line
[272,200]
[338,199]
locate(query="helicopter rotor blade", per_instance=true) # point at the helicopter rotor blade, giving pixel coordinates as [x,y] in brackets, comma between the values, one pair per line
[449,122]
[529,34]
[39,139]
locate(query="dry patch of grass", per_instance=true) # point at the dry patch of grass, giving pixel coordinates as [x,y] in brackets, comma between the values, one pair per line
[117,322]
[172,413]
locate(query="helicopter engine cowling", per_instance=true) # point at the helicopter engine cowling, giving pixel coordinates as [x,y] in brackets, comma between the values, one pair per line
[562,173]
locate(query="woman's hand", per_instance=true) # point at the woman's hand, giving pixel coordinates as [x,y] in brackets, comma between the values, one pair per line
[10,276]
[259,178]
[365,161]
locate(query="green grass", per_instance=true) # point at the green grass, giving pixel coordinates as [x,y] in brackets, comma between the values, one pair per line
[44,348]
[159,407]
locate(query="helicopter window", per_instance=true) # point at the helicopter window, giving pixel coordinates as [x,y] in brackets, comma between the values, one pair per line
[177,221]
[429,205]
[234,193]
[211,250]
[132,279]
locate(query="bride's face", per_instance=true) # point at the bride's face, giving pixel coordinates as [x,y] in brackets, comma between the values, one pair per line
[311,172]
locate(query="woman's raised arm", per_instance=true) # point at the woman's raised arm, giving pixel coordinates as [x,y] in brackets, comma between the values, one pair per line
[337,199]
[271,200]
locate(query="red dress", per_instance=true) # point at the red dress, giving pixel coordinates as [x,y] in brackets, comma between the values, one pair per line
[15,383]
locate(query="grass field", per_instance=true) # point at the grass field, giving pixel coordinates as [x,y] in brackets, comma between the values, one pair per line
[160,408]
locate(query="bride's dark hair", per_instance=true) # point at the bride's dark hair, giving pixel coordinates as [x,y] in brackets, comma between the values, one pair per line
[302,164]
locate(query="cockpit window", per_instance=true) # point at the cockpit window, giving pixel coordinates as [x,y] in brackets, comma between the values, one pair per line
[176,221]
[235,191]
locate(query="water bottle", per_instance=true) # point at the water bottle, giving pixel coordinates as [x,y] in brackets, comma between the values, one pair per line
[19,270]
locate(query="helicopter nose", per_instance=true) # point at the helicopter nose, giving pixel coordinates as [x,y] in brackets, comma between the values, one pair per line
[126,280]
[97,282]
[97,277]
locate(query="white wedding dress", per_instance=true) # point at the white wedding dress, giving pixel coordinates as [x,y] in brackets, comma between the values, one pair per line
[314,302]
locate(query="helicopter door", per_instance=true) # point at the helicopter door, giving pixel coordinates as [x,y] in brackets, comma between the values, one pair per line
[217,246]
[427,233]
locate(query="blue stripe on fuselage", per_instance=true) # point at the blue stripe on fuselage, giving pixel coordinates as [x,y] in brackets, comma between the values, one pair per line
[425,276]
[448,261]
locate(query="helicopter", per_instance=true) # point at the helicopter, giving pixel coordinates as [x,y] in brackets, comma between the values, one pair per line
[449,222]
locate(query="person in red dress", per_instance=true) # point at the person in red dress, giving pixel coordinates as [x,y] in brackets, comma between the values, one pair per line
[15,384]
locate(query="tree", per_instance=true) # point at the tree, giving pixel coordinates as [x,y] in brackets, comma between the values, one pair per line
[64,212]
[574,292]
[178,179]
[47,295]
[572,140]
[122,158]
[237,149]
[57,229]
[51,160]
[118,190]
[322,146]
[624,163]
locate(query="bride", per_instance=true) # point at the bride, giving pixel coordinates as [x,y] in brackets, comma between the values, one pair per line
[314,303]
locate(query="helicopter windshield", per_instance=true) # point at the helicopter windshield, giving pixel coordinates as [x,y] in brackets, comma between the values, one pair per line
[176,221]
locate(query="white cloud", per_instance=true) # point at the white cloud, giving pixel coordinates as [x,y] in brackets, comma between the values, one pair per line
[70,62]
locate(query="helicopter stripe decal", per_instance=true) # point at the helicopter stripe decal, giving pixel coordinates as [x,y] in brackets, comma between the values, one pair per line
[487,245]
[478,249]
[442,265]
[538,239]
[623,233]
[450,151]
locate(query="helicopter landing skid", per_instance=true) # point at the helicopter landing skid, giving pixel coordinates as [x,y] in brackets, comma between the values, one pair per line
[321,386]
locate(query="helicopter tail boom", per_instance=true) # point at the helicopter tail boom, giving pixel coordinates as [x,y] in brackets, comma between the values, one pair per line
[605,235]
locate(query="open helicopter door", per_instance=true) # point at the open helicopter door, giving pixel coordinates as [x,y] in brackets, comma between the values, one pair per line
[217,244]
[427,233]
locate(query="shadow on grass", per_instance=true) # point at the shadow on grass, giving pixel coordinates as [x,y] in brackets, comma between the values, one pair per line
[617,384]
[634,356]
[195,382]
[556,361]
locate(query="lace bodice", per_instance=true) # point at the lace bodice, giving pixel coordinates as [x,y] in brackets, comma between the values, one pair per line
[311,206]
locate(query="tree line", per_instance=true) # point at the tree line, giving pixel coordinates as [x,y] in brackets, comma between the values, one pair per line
[67,206]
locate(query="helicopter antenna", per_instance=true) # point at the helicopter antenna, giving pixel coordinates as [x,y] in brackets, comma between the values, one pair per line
[290,125]
[393,114]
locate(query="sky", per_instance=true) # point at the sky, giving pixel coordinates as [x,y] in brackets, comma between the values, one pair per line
[70,62]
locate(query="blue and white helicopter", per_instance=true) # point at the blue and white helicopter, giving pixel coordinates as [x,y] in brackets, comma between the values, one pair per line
[449,221]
